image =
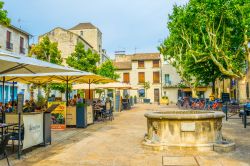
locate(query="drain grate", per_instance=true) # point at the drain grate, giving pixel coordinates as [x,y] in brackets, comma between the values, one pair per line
[179,161]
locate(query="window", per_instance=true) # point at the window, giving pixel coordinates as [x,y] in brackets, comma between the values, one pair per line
[167,79]
[156,77]
[140,64]
[141,77]
[141,93]
[22,50]
[81,33]
[126,77]
[156,63]
[9,45]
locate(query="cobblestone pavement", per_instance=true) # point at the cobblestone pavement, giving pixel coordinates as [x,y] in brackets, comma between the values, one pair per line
[118,143]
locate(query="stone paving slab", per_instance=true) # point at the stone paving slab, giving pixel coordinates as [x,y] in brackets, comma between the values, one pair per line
[179,160]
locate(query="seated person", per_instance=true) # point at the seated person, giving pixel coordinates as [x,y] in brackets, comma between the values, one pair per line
[32,105]
[26,107]
[1,107]
[8,107]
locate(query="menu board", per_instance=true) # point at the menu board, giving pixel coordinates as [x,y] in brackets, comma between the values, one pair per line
[58,116]
[90,118]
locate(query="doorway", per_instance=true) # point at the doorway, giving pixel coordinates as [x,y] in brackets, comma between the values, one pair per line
[156,95]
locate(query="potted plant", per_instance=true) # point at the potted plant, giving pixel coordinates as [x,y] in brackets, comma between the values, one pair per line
[164,100]
[146,86]
[40,103]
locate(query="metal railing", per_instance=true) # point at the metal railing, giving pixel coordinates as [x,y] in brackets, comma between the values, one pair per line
[9,45]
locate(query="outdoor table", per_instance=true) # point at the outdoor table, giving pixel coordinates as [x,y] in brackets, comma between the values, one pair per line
[6,126]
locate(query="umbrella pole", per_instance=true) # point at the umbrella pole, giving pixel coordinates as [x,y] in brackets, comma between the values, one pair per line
[67,93]
[89,89]
[3,117]
[13,88]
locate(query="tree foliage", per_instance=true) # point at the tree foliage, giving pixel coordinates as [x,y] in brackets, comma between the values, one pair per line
[146,86]
[107,69]
[47,51]
[4,20]
[208,40]
[82,59]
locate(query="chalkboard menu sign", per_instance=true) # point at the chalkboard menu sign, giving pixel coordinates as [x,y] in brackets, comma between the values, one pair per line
[20,103]
[225,97]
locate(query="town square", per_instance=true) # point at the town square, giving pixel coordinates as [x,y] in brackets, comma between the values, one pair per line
[124,83]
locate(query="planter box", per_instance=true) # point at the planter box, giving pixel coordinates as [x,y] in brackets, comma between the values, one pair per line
[164,101]
[146,100]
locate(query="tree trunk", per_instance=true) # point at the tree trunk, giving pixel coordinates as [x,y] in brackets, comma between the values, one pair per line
[194,92]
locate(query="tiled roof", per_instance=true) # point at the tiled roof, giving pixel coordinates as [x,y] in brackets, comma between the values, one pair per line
[123,65]
[83,26]
[146,56]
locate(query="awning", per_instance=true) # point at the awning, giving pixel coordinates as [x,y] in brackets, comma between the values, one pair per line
[201,89]
[17,64]
[111,85]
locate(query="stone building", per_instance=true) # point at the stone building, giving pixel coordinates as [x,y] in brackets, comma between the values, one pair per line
[14,40]
[139,68]
[85,33]
[170,81]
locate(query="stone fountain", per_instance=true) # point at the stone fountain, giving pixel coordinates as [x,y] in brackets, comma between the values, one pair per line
[184,129]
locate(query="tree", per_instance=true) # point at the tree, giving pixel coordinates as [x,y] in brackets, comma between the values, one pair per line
[4,20]
[146,86]
[82,59]
[208,40]
[47,51]
[107,69]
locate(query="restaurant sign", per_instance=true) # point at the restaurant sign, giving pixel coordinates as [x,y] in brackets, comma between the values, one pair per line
[33,130]
[58,116]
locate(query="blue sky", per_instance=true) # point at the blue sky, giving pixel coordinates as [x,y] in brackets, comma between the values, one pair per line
[127,25]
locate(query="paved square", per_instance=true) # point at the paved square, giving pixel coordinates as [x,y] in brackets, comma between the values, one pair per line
[181,161]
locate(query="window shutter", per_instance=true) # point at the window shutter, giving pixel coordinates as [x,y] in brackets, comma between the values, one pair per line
[141,76]
[156,77]
[156,63]
[126,77]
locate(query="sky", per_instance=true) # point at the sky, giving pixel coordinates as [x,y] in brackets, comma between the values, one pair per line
[126,25]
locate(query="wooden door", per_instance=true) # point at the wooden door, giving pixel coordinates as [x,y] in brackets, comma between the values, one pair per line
[156,95]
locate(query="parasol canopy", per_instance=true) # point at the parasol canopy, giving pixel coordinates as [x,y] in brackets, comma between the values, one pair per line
[18,64]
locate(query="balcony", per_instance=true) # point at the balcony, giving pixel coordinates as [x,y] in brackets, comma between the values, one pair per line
[168,84]
[22,50]
[9,45]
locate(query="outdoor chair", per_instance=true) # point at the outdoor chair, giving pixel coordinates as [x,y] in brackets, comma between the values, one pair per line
[15,135]
[108,114]
[4,142]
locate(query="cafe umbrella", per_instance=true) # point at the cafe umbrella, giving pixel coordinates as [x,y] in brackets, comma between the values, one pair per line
[60,77]
[17,64]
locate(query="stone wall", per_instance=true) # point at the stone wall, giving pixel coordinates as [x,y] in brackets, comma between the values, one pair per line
[15,39]
[66,41]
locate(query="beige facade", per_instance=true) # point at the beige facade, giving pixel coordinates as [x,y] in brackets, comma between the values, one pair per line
[13,44]
[85,33]
[170,81]
[129,64]
[66,41]
[16,41]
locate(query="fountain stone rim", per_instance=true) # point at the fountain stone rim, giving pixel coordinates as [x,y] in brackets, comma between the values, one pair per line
[184,114]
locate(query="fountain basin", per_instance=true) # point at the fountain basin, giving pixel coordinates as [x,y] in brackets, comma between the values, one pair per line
[181,128]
